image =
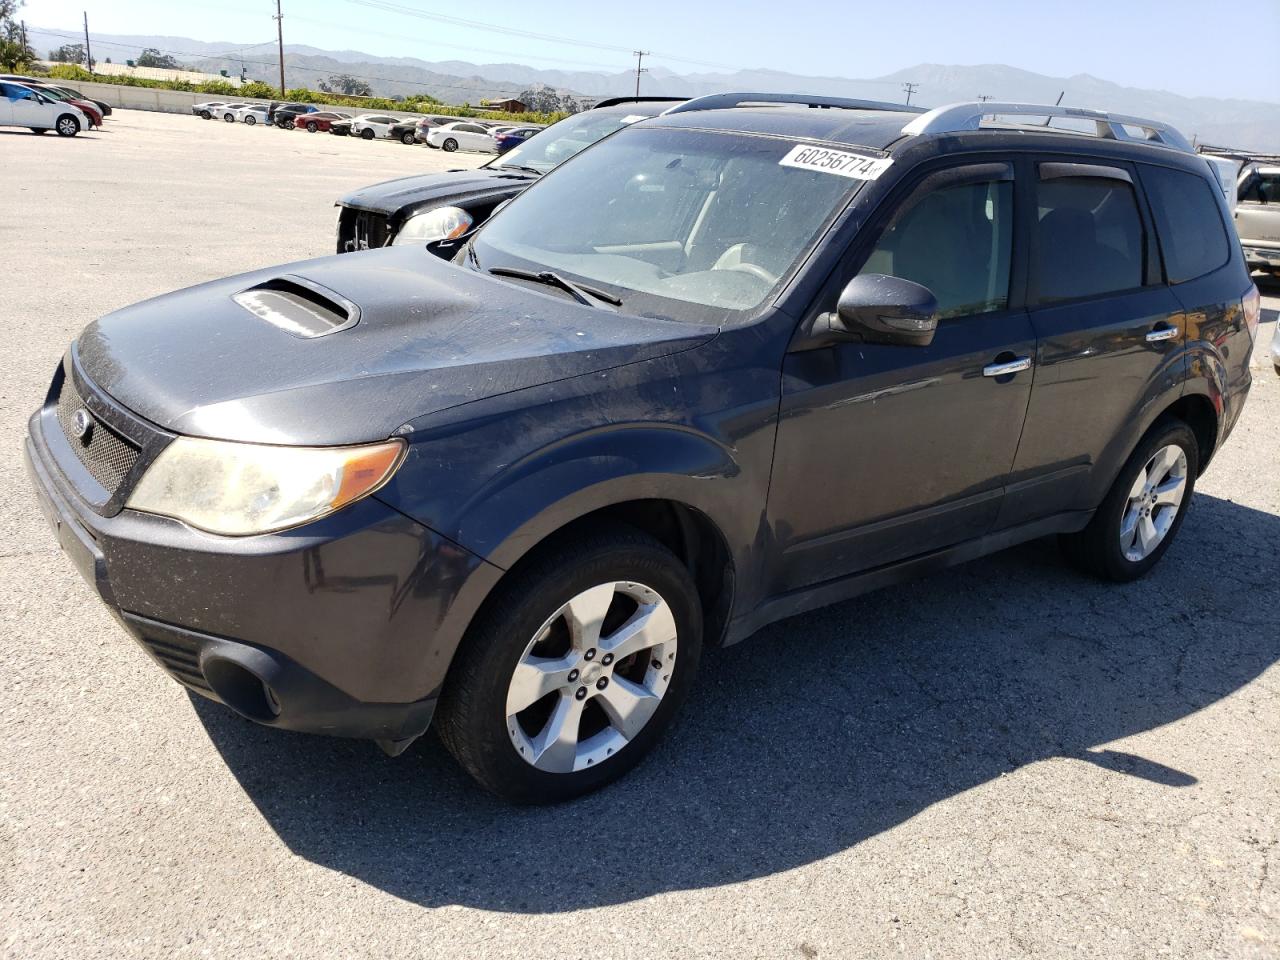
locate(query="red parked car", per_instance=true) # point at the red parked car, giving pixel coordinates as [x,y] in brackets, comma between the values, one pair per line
[313,122]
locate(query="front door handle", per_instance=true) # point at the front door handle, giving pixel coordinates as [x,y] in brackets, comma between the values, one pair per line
[1162,333]
[1004,369]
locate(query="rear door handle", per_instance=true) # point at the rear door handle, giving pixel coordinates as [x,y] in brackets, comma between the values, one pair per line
[1004,369]
[1162,333]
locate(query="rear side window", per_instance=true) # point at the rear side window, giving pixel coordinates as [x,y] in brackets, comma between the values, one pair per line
[1192,235]
[1090,238]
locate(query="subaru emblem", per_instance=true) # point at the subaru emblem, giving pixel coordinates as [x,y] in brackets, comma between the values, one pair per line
[81,423]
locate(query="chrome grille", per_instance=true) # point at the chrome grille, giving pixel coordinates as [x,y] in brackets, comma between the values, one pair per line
[105,454]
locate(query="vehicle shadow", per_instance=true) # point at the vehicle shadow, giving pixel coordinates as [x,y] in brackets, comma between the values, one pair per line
[813,736]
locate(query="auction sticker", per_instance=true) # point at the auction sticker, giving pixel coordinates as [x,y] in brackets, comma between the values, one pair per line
[840,162]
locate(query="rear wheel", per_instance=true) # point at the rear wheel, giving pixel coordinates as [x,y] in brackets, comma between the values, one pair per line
[407,139]
[229,117]
[366,134]
[206,115]
[1144,509]
[68,126]
[450,145]
[312,126]
[250,119]
[575,669]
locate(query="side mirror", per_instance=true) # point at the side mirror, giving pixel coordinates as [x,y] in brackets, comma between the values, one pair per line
[880,309]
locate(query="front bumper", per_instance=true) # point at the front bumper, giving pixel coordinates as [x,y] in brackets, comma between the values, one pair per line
[343,627]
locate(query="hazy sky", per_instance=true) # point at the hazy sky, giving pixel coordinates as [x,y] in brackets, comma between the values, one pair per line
[1192,47]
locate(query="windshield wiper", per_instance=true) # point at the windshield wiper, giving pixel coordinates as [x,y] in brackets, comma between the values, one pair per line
[578,291]
[512,166]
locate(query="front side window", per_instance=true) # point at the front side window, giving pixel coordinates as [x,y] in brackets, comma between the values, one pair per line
[956,240]
[1193,237]
[1090,238]
[1261,187]
[709,219]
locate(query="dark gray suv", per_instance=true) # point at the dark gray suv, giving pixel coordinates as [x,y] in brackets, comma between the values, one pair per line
[754,356]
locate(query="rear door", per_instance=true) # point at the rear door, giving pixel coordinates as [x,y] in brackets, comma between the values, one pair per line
[8,93]
[1110,331]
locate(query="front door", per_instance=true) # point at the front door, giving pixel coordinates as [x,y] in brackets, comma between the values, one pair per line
[888,452]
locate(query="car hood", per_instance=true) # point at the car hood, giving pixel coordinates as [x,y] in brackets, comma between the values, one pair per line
[394,196]
[429,336]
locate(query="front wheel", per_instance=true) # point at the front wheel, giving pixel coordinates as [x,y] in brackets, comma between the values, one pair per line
[573,672]
[366,134]
[450,145]
[250,120]
[229,117]
[1142,512]
[206,115]
[68,126]
[407,139]
[312,126]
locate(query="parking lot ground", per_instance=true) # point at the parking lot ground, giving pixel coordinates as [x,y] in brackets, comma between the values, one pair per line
[1007,760]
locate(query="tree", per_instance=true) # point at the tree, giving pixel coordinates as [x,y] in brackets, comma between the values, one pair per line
[15,52]
[68,53]
[541,100]
[346,85]
[151,57]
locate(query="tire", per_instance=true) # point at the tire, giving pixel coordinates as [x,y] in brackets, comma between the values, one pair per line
[206,115]
[366,134]
[1100,548]
[229,117]
[250,120]
[449,145]
[67,125]
[407,139]
[312,126]
[527,617]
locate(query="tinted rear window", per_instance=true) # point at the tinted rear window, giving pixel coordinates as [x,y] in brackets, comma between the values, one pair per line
[1091,240]
[1193,237]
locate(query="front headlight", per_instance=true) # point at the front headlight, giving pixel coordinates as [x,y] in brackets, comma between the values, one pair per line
[242,488]
[442,223]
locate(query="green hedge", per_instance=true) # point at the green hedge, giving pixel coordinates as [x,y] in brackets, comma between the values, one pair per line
[257,90]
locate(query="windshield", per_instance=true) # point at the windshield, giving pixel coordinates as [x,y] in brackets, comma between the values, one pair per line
[709,219]
[558,143]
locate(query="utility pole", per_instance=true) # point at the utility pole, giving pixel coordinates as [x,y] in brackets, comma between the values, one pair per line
[23,25]
[280,41]
[88,56]
[639,55]
[984,97]
[910,88]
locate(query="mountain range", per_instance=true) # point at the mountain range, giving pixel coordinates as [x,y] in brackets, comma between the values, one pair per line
[1251,125]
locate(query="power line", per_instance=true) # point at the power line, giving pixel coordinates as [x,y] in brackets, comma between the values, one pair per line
[639,55]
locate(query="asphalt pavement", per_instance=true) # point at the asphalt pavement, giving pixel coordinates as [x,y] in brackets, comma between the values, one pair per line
[1007,760]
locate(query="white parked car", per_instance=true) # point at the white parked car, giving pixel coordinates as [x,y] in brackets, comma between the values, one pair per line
[22,106]
[207,111]
[462,136]
[250,113]
[370,125]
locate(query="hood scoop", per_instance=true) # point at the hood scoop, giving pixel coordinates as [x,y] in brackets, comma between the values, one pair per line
[299,307]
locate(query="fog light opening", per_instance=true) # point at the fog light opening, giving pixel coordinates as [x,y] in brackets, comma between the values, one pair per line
[242,690]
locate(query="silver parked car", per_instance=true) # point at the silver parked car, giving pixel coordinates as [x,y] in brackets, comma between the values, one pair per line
[1258,213]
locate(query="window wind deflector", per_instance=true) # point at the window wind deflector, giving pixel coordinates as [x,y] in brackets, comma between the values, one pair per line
[583,294]
[299,307]
[1092,171]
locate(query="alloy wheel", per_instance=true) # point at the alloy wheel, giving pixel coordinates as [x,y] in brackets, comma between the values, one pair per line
[68,127]
[1154,501]
[592,677]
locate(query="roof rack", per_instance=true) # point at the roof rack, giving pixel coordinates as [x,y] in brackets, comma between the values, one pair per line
[1111,126]
[726,101]
[615,101]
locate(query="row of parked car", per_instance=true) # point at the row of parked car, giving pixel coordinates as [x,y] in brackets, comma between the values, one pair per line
[42,105]
[442,132]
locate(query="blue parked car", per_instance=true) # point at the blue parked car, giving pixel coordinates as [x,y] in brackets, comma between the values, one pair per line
[514,137]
